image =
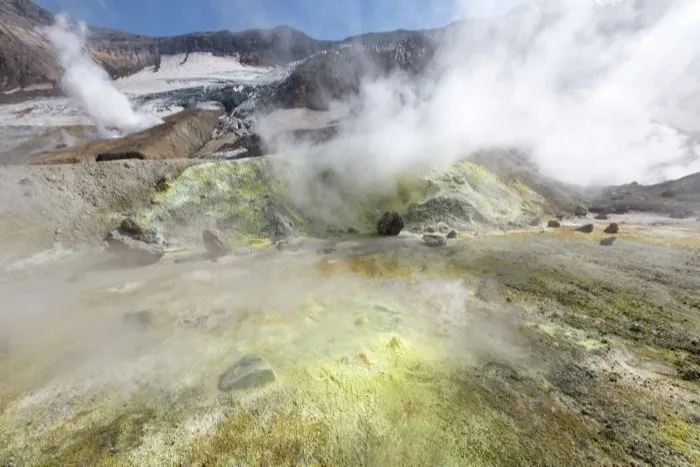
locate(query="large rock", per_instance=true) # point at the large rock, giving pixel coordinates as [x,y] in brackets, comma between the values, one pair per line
[179,137]
[215,243]
[390,224]
[132,252]
[249,372]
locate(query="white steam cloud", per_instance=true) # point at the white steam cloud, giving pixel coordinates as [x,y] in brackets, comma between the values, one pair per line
[88,83]
[595,92]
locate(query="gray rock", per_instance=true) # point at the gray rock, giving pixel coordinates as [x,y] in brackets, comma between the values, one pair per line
[249,372]
[587,228]
[613,228]
[129,228]
[391,224]
[215,243]
[607,241]
[433,240]
[133,252]
[601,217]
[553,224]
[452,234]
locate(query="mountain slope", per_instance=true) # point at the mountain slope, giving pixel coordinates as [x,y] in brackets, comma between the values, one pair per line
[26,61]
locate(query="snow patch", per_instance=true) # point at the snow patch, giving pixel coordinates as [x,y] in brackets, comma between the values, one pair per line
[195,69]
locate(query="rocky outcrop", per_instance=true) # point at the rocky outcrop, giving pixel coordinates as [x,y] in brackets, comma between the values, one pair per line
[337,74]
[179,137]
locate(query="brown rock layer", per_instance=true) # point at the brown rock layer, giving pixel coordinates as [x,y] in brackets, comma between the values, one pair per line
[179,137]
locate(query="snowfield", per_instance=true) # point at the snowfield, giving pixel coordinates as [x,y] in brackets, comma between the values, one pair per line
[181,71]
[196,69]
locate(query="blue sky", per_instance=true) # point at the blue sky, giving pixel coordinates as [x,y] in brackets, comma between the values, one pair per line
[325,19]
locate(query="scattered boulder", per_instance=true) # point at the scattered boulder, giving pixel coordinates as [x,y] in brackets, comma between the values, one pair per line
[249,372]
[587,228]
[668,194]
[391,224]
[433,240]
[452,234]
[553,224]
[602,217]
[215,243]
[613,228]
[131,229]
[352,231]
[607,241]
[133,252]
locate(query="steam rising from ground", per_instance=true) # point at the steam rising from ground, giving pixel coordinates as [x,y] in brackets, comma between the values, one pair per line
[594,92]
[89,83]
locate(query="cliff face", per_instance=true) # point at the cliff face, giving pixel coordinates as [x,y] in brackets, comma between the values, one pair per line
[25,57]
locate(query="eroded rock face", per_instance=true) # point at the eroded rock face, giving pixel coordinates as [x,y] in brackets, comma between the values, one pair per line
[452,210]
[391,224]
[179,137]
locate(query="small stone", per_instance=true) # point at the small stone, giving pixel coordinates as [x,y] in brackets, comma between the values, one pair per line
[433,240]
[215,243]
[353,231]
[607,241]
[391,224]
[602,217]
[613,228]
[452,234]
[553,224]
[249,372]
[636,327]
[588,228]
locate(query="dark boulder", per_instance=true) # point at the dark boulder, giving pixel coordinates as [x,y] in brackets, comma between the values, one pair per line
[613,228]
[553,224]
[391,224]
[588,228]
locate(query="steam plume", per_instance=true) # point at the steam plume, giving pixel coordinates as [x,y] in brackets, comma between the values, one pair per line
[87,82]
[595,92]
